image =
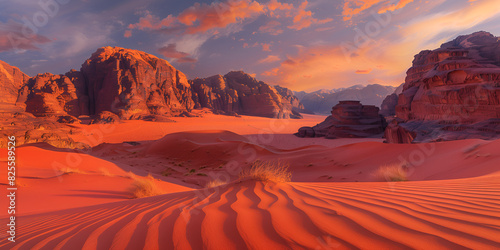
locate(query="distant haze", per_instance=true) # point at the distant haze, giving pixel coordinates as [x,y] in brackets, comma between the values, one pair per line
[322,101]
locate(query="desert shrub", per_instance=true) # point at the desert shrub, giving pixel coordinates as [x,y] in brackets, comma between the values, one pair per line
[144,187]
[392,172]
[215,183]
[276,172]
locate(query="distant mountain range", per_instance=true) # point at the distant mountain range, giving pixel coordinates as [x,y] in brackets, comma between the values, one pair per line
[322,101]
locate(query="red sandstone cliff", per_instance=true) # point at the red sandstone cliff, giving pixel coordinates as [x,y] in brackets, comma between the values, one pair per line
[451,93]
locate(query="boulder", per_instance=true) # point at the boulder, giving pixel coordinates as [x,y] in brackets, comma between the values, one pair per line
[105,117]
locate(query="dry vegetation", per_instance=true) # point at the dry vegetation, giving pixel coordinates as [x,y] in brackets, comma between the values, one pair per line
[276,172]
[144,187]
[392,172]
[68,170]
[215,183]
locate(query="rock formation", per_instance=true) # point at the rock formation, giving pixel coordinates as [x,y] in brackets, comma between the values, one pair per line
[11,79]
[50,95]
[451,93]
[105,117]
[130,82]
[388,106]
[238,92]
[117,83]
[349,119]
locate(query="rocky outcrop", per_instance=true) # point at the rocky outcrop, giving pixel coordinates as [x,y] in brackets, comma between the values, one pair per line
[289,97]
[388,106]
[105,117]
[238,92]
[50,95]
[130,83]
[322,101]
[11,79]
[349,119]
[30,129]
[452,92]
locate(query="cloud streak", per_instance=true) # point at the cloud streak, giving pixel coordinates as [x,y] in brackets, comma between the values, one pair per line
[16,36]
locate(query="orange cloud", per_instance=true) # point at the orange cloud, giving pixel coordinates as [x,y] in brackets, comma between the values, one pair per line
[356,7]
[127,34]
[303,18]
[328,67]
[272,28]
[170,51]
[12,37]
[363,71]
[266,47]
[270,59]
[274,5]
[153,22]
[393,7]
[203,17]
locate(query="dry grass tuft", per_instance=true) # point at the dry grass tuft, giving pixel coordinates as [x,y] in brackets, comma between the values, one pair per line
[276,172]
[215,183]
[105,172]
[144,187]
[67,170]
[392,172]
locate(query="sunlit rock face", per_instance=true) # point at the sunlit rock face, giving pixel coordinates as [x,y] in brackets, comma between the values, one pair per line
[451,93]
[11,79]
[349,119]
[238,92]
[51,95]
[132,83]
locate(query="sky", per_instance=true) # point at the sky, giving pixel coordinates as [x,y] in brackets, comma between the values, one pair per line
[299,44]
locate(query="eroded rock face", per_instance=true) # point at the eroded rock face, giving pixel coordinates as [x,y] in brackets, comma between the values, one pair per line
[238,92]
[50,95]
[388,106]
[130,82]
[349,119]
[450,92]
[289,97]
[11,79]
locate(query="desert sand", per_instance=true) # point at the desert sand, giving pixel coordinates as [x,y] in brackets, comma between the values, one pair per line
[336,199]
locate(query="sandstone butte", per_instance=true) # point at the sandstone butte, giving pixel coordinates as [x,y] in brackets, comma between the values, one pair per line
[450,93]
[349,119]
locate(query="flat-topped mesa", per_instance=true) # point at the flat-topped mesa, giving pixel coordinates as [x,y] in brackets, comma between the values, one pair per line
[458,83]
[133,83]
[238,92]
[349,119]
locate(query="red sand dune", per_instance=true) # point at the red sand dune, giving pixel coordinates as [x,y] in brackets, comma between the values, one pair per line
[428,215]
[452,198]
